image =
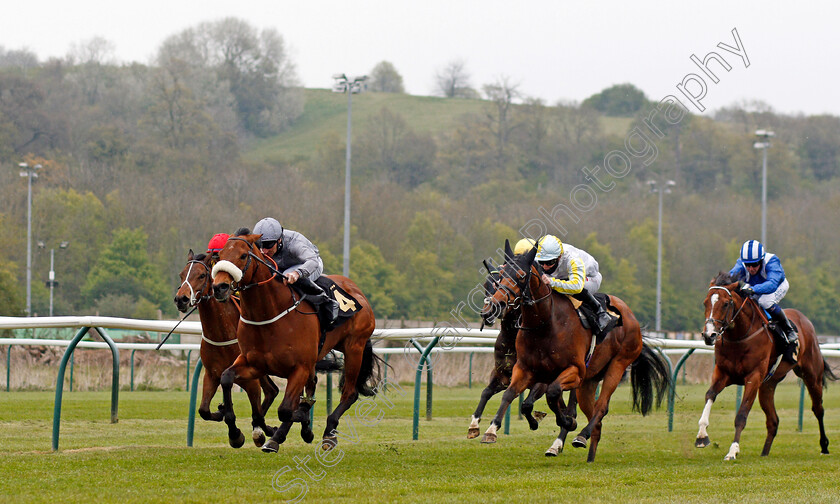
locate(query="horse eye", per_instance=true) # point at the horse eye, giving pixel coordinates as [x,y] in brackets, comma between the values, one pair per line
[201,276]
[243,256]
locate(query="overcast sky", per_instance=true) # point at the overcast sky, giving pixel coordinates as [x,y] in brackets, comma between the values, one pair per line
[554,50]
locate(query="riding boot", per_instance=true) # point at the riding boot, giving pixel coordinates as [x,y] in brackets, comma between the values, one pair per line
[602,318]
[317,296]
[790,352]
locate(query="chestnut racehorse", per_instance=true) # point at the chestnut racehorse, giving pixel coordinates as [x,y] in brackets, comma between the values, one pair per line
[745,354]
[552,347]
[504,355]
[279,335]
[219,346]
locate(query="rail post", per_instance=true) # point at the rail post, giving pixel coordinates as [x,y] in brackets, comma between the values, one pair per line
[132,369]
[189,357]
[418,377]
[801,402]
[8,366]
[672,391]
[471,359]
[191,417]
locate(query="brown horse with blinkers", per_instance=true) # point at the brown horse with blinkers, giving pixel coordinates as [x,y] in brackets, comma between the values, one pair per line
[552,347]
[745,354]
[219,346]
[279,333]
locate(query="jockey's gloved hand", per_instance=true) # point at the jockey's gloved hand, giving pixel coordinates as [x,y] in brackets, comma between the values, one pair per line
[746,288]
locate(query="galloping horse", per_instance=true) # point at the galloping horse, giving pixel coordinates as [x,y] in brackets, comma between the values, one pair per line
[746,355]
[552,347]
[219,346]
[504,353]
[282,343]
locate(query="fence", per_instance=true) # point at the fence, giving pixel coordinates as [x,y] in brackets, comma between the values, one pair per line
[424,340]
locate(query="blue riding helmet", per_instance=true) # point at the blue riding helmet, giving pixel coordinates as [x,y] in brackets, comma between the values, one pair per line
[752,252]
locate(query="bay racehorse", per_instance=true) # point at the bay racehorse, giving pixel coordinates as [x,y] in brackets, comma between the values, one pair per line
[219,346]
[745,354]
[552,347]
[504,357]
[279,334]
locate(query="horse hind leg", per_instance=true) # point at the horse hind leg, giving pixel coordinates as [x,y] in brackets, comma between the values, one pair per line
[259,429]
[766,400]
[534,417]
[814,384]
[557,446]
[489,391]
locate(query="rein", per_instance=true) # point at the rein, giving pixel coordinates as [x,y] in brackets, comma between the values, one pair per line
[531,301]
[724,325]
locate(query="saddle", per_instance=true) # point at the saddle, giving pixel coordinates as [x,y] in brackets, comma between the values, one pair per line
[777,332]
[347,304]
[587,317]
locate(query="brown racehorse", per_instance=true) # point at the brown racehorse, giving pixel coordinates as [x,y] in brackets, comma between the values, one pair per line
[219,346]
[745,354]
[552,347]
[504,354]
[278,332]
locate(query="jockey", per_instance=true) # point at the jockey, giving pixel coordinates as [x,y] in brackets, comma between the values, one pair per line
[763,279]
[572,271]
[216,243]
[524,245]
[299,260]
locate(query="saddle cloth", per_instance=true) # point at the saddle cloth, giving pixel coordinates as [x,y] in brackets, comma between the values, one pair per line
[347,304]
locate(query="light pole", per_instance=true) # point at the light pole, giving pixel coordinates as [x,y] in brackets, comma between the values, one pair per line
[51,282]
[351,86]
[662,189]
[30,172]
[763,144]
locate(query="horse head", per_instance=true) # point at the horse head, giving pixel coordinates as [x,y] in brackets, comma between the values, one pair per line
[195,282]
[512,284]
[237,265]
[720,304]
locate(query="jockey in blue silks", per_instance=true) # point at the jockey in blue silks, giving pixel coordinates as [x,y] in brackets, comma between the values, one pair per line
[764,280]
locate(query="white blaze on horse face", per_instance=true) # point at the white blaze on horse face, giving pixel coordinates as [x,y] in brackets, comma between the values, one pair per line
[229,268]
[188,284]
[710,326]
[704,420]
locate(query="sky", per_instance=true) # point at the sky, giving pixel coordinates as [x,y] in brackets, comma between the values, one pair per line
[554,50]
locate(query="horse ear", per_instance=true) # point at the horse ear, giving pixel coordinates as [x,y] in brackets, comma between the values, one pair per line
[190,255]
[508,251]
[531,255]
[489,268]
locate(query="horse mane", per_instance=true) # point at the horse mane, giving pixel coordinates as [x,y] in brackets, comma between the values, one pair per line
[242,231]
[724,278]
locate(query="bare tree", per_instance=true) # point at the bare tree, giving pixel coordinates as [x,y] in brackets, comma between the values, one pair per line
[384,78]
[502,94]
[453,81]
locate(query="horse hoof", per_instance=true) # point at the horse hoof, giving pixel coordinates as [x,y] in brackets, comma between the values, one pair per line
[729,457]
[258,437]
[551,452]
[270,446]
[702,442]
[579,442]
[473,433]
[239,441]
[488,438]
[328,443]
[307,436]
[539,415]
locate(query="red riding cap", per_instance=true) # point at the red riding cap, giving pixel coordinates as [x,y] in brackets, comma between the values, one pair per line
[217,242]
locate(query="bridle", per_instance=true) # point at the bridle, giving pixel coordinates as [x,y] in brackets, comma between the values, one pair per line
[194,298]
[725,324]
[515,300]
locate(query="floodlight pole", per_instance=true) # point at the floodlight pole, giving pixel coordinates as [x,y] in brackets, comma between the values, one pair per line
[29,172]
[763,144]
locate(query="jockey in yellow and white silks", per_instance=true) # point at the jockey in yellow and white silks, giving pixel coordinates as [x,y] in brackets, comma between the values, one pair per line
[572,271]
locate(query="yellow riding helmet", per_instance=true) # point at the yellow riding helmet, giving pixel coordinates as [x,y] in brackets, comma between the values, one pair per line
[550,248]
[523,246]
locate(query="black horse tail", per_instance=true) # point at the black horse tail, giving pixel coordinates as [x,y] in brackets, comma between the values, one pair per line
[649,370]
[370,373]
[828,374]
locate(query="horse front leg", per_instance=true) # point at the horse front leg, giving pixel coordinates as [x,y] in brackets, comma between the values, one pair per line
[289,406]
[519,381]
[270,391]
[570,412]
[496,385]
[209,386]
[751,384]
[534,417]
[719,382]
[239,370]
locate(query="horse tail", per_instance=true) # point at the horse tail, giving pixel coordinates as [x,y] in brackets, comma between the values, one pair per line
[828,374]
[370,373]
[647,372]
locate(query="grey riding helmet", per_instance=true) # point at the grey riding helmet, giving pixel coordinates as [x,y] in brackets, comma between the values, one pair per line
[269,228]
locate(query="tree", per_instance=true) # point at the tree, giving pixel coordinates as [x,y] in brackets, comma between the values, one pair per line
[618,100]
[379,280]
[384,78]
[501,94]
[124,269]
[453,81]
